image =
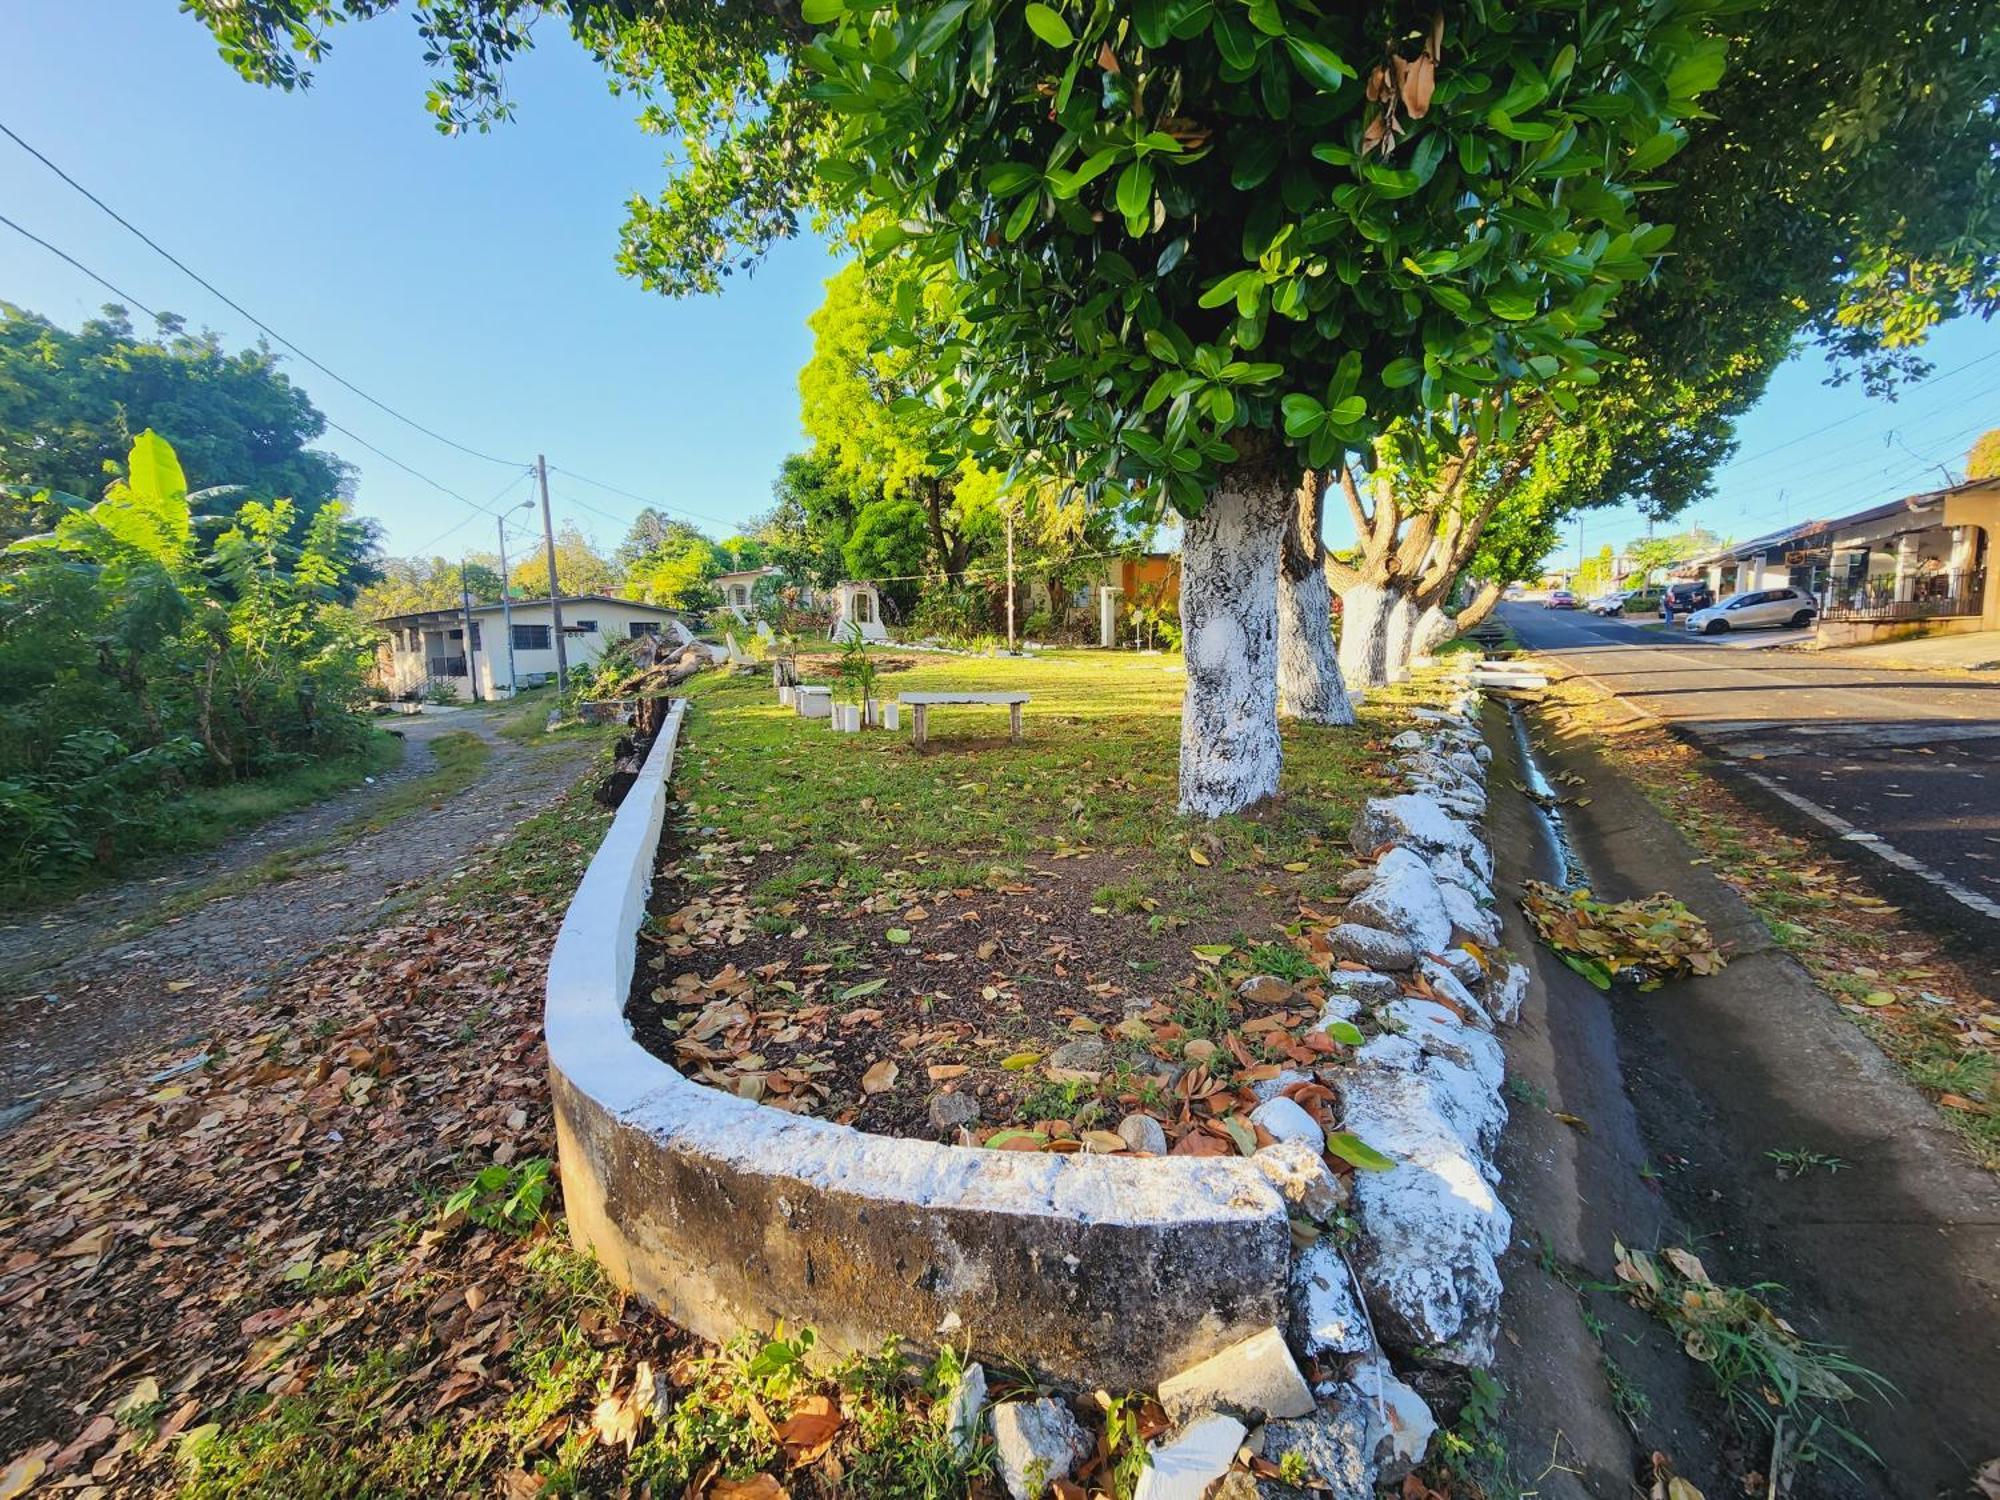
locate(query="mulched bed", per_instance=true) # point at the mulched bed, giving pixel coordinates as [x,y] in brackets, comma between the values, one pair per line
[1056,1016]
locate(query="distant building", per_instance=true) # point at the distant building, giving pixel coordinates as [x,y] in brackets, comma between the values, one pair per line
[738,589]
[1916,566]
[426,651]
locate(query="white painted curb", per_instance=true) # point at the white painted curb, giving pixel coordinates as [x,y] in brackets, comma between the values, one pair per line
[731,1215]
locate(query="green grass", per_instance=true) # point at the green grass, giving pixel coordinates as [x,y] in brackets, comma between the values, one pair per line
[1095,775]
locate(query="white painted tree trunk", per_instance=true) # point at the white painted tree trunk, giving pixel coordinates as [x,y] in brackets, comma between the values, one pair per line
[1434,628]
[1364,635]
[1229,628]
[1309,685]
[1402,635]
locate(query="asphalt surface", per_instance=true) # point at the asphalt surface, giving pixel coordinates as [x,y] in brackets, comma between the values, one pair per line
[1904,764]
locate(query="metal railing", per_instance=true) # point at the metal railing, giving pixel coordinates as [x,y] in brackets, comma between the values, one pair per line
[447,666]
[1932,596]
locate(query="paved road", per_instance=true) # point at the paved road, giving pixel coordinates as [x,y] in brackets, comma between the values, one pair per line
[1906,764]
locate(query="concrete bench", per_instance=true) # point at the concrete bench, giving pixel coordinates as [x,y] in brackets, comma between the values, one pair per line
[813,701]
[922,703]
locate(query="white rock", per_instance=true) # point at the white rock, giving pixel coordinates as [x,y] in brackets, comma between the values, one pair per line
[1417,821]
[1367,945]
[1509,992]
[968,1403]
[1451,867]
[1270,1088]
[1257,1377]
[1409,739]
[1326,1311]
[1466,969]
[1400,1437]
[1432,1226]
[1302,1177]
[1334,1442]
[1184,1468]
[1441,1034]
[1361,985]
[1467,917]
[1404,899]
[1143,1133]
[1466,764]
[1036,1442]
[1391,1051]
[1286,1121]
[1447,986]
[1483,753]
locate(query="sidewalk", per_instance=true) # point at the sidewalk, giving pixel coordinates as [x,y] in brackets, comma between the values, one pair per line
[1973,651]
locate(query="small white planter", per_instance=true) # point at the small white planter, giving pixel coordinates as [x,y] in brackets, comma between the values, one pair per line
[785,697]
[892,715]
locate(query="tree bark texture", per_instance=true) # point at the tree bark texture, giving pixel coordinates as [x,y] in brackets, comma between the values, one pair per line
[1482,604]
[1434,628]
[1402,633]
[1230,754]
[1309,683]
[1364,634]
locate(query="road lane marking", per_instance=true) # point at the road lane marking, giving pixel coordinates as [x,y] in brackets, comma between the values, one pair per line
[1875,844]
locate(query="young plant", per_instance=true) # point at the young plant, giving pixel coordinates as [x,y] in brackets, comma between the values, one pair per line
[501,1197]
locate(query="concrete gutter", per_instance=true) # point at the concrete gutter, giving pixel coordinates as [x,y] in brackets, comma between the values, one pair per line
[729,1215]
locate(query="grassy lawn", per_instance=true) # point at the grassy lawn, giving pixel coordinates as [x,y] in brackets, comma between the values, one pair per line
[845,925]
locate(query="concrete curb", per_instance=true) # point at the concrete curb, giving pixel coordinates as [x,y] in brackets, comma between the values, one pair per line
[729,1215]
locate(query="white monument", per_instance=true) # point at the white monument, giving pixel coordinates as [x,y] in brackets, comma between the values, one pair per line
[856,606]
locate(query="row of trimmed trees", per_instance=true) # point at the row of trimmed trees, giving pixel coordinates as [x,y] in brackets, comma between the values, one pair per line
[1474,266]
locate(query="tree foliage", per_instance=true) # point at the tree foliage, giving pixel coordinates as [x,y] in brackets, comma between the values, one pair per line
[141,652]
[1983,462]
[71,405]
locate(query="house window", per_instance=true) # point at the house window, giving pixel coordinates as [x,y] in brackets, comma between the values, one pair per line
[739,595]
[531,637]
[580,627]
[477,644]
[641,628]
[864,608]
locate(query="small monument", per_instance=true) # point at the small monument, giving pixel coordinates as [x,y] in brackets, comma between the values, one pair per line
[856,606]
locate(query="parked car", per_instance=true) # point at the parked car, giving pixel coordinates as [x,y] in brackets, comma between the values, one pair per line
[1684,599]
[1773,608]
[1643,601]
[1609,603]
[1559,599]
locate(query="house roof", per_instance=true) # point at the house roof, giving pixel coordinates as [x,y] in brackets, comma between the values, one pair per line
[745,573]
[453,612]
[1909,504]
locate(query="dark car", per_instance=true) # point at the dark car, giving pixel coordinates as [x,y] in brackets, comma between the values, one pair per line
[1685,599]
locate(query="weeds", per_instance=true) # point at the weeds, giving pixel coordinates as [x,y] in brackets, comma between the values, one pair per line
[1760,1365]
[1797,1161]
[509,1198]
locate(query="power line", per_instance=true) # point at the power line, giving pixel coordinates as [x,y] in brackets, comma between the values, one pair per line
[231,302]
[1843,421]
[348,432]
[72,260]
[632,495]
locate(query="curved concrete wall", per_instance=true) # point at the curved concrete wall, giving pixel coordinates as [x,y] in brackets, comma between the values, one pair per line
[730,1215]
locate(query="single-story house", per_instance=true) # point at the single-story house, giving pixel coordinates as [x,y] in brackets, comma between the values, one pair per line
[1145,580]
[739,588]
[427,649]
[1915,566]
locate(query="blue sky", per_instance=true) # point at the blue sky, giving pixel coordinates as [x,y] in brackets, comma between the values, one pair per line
[470,284]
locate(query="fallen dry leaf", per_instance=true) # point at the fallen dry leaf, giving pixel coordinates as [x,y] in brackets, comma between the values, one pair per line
[880,1077]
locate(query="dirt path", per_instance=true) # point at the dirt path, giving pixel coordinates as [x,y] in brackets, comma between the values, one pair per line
[104,975]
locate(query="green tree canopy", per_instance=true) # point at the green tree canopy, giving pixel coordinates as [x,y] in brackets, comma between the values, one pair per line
[71,405]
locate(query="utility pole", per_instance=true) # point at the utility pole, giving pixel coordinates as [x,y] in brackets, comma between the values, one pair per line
[555,593]
[1010,581]
[506,603]
[465,603]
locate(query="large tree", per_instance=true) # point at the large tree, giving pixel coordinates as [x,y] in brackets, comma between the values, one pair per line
[72,404]
[1186,253]
[862,401]
[1843,193]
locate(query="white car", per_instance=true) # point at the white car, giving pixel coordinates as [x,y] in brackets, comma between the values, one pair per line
[1612,603]
[1775,608]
